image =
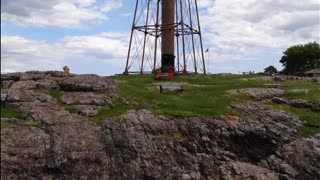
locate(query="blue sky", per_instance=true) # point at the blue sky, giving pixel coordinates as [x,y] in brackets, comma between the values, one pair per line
[91,36]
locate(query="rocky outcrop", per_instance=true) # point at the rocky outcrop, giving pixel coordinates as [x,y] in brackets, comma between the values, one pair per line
[263,93]
[87,92]
[63,147]
[287,78]
[299,103]
[28,96]
[297,160]
[56,80]
[255,144]
[140,145]
[86,83]
[86,98]
[280,78]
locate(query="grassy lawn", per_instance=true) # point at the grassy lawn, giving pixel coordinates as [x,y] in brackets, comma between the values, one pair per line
[207,96]
[313,93]
[204,95]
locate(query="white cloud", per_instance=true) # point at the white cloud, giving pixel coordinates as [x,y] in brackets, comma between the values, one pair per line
[245,33]
[248,29]
[58,13]
[20,54]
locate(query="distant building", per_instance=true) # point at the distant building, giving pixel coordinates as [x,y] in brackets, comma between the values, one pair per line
[314,72]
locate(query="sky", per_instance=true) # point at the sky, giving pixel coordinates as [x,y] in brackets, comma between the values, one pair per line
[92,36]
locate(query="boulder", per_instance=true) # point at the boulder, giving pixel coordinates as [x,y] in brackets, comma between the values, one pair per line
[87,110]
[298,160]
[280,100]
[300,103]
[87,83]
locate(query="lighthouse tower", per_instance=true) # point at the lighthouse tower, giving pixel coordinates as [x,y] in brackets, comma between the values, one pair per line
[165,33]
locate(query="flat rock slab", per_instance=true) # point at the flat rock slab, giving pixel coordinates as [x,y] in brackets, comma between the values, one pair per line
[28,96]
[86,98]
[263,93]
[169,84]
[87,83]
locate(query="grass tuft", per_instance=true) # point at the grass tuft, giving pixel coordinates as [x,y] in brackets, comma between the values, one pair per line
[71,108]
[11,111]
[118,107]
[178,136]
[32,123]
[52,92]
[4,124]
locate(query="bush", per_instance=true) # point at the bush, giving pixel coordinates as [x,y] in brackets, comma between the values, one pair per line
[164,69]
[270,70]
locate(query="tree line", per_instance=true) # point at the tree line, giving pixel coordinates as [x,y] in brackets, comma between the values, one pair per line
[298,59]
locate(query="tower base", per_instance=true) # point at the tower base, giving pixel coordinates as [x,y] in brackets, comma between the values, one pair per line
[167,60]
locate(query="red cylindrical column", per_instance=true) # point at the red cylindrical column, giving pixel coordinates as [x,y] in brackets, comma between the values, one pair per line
[167,42]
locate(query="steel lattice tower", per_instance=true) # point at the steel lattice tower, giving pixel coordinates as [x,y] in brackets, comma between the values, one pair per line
[165,32]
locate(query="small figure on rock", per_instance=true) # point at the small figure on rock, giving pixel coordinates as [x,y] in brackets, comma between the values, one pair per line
[158,74]
[66,69]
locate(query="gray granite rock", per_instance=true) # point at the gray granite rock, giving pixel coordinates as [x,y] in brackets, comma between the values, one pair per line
[86,98]
[263,93]
[87,83]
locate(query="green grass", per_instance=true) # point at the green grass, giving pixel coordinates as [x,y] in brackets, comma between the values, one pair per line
[178,136]
[159,136]
[70,107]
[4,124]
[52,92]
[119,107]
[311,119]
[313,93]
[11,111]
[57,94]
[205,95]
[32,123]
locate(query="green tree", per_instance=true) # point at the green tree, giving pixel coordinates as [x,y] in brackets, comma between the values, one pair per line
[270,70]
[301,58]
